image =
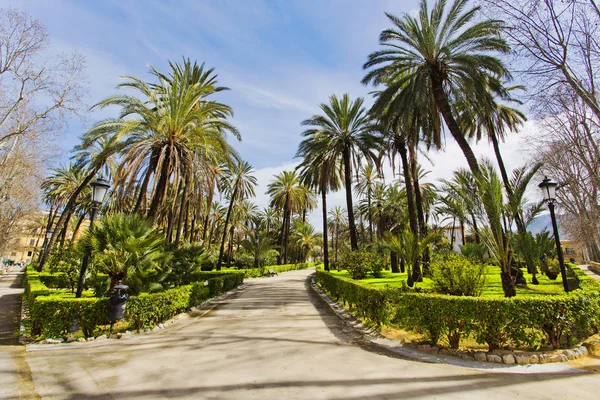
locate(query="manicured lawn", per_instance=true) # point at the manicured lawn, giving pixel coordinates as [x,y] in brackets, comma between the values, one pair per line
[493,285]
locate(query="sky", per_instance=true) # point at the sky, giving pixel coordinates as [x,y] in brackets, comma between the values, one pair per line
[280,59]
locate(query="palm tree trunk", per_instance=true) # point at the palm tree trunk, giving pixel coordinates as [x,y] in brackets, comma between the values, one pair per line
[348,181]
[287,222]
[475,229]
[181,212]
[325,244]
[370,214]
[443,104]
[77,226]
[337,240]
[462,232]
[394,262]
[222,249]
[61,221]
[144,188]
[452,234]
[161,189]
[230,247]
[420,214]
[208,207]
[410,197]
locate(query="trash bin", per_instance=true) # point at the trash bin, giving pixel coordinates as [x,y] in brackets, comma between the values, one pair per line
[118,301]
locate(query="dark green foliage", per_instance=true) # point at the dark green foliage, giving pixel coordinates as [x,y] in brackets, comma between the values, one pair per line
[457,275]
[474,251]
[371,304]
[52,314]
[66,261]
[523,322]
[186,260]
[358,263]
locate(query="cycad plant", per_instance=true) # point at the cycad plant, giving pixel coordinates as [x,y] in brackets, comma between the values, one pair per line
[409,248]
[125,245]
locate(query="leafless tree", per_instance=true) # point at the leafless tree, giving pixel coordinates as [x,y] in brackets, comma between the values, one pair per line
[556,43]
[37,89]
[569,148]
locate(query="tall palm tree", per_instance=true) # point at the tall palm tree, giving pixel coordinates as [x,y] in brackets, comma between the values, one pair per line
[344,134]
[169,130]
[289,195]
[92,155]
[367,179]
[306,239]
[238,183]
[319,171]
[439,59]
[337,223]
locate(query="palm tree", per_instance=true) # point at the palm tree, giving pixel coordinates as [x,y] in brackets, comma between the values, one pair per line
[367,179]
[337,222]
[343,134]
[258,244]
[319,171]
[93,156]
[171,130]
[441,59]
[289,195]
[238,183]
[306,239]
[410,248]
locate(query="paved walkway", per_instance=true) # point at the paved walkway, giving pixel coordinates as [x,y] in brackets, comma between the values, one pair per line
[274,340]
[589,272]
[15,377]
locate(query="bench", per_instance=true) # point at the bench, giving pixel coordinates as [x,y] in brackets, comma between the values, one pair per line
[271,272]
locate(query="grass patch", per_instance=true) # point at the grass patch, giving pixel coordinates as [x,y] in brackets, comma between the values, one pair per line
[492,288]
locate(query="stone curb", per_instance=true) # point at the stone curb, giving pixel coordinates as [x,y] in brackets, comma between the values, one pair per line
[203,308]
[505,357]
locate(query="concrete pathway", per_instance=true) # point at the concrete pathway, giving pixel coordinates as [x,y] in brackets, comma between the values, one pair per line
[274,340]
[589,272]
[15,377]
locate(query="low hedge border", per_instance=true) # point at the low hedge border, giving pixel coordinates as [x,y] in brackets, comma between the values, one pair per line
[495,322]
[498,357]
[53,316]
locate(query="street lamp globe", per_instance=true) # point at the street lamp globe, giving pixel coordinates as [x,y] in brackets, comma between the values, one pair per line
[99,188]
[548,187]
[49,233]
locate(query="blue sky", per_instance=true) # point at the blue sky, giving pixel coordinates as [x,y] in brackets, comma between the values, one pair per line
[280,58]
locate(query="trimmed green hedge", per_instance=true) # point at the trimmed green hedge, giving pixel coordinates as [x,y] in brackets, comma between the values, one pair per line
[493,321]
[52,315]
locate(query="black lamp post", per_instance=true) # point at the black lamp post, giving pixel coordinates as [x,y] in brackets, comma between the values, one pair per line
[99,188]
[49,233]
[548,187]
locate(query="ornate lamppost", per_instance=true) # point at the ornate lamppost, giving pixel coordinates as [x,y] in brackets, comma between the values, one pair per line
[548,187]
[99,188]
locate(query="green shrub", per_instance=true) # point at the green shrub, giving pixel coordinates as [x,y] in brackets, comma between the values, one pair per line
[52,315]
[456,275]
[186,260]
[474,251]
[522,322]
[358,263]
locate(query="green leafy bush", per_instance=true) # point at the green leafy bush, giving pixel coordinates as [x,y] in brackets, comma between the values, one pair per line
[52,314]
[457,275]
[522,322]
[358,263]
[474,251]
[186,260]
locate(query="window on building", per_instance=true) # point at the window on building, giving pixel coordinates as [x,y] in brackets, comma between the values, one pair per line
[569,250]
[29,253]
[32,242]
